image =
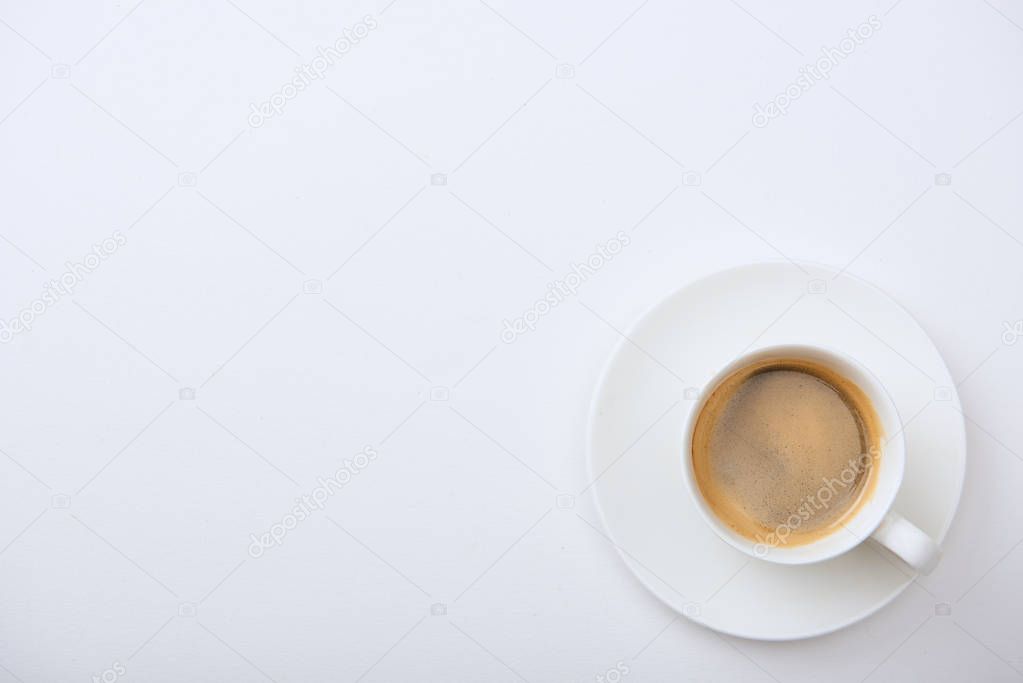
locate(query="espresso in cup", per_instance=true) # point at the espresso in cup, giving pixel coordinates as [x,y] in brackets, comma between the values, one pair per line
[785,450]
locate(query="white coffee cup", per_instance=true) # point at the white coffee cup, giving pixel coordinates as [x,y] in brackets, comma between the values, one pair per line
[874,520]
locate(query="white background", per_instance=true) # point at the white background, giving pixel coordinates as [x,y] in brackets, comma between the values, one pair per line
[127,509]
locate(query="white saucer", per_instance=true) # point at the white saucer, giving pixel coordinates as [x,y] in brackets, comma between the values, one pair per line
[635,437]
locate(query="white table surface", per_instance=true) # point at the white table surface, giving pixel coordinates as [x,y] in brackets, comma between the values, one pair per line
[128,505]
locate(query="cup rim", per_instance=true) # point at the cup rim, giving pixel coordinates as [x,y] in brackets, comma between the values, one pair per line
[892,460]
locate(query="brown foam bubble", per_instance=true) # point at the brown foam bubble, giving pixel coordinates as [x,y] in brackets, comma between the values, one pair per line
[784,446]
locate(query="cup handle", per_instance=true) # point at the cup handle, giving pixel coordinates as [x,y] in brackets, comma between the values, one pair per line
[903,538]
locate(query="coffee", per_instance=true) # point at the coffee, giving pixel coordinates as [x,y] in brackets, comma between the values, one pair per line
[785,450]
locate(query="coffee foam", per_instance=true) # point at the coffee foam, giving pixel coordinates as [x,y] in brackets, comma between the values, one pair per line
[785,447]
